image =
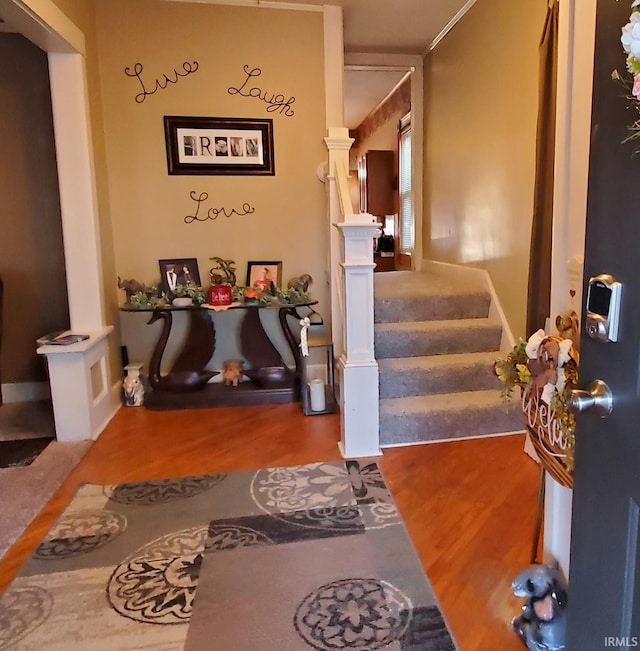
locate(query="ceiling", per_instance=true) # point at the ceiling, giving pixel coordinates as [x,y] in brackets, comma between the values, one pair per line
[364,90]
[383,27]
[387,27]
[393,26]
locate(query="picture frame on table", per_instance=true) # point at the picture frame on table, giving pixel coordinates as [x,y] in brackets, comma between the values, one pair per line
[226,146]
[178,271]
[266,274]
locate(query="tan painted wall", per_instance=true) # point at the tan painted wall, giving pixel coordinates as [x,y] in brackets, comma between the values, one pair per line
[480,122]
[148,206]
[31,255]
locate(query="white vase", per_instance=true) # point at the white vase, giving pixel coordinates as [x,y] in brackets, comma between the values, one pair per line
[133,386]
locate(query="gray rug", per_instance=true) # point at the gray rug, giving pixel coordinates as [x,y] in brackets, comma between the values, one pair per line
[278,559]
[24,491]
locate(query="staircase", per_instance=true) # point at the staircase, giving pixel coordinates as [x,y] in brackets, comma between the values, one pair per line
[435,344]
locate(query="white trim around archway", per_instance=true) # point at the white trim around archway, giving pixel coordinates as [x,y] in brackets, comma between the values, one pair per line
[83,398]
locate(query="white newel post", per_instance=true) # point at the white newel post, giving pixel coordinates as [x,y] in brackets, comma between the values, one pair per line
[357,366]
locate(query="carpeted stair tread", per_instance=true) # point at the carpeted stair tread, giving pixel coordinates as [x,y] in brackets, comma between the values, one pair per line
[443,282]
[415,376]
[436,337]
[435,294]
[417,419]
[422,307]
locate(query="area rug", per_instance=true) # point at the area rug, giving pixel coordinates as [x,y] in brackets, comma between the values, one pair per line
[278,559]
[25,490]
[22,452]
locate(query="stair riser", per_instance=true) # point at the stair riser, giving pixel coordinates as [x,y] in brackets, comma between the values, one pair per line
[427,427]
[417,382]
[431,308]
[417,343]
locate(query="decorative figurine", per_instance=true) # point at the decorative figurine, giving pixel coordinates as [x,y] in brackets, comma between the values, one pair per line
[132,287]
[300,283]
[568,326]
[542,625]
[251,295]
[232,371]
[133,386]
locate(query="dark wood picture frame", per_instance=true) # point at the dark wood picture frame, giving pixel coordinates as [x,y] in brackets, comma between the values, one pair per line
[227,146]
[178,264]
[256,269]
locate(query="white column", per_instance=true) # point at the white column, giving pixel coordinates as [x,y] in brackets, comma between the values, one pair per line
[333,65]
[78,200]
[357,367]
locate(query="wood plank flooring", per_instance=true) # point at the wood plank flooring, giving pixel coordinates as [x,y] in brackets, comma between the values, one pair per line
[469,506]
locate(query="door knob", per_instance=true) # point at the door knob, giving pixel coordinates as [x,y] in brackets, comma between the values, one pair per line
[597,398]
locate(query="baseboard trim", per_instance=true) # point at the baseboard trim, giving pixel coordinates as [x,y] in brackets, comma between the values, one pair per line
[507,342]
[452,268]
[384,446]
[25,392]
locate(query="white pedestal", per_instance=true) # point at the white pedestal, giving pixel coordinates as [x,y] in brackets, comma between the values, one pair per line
[82,399]
[358,369]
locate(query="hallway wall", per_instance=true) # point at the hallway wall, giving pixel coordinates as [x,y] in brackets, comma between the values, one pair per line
[481,86]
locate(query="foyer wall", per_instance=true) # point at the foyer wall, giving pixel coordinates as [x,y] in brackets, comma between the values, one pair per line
[481,86]
[205,52]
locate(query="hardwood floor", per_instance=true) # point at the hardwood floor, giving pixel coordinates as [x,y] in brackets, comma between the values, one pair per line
[469,506]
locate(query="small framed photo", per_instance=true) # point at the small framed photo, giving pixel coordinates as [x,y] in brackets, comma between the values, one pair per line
[201,145]
[178,271]
[264,274]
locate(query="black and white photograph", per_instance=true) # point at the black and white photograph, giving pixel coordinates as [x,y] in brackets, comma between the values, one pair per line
[222,146]
[237,146]
[225,146]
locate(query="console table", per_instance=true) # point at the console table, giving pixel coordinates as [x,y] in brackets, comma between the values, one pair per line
[187,386]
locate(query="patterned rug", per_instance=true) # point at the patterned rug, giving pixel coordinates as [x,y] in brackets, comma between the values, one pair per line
[278,559]
[22,452]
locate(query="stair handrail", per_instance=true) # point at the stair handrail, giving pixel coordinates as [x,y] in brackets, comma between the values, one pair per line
[341,175]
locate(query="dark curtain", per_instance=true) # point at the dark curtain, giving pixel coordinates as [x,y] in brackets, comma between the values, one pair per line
[539,288]
[1,322]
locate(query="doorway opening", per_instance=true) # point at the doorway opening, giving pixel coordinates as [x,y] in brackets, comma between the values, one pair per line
[385,170]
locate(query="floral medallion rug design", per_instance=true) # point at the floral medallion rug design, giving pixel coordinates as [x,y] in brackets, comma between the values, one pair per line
[278,559]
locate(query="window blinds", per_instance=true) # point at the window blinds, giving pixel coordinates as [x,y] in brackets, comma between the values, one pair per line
[407,227]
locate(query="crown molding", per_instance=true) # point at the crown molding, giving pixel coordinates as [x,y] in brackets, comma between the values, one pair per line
[450,25]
